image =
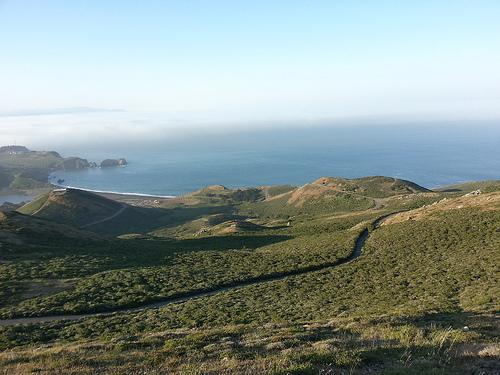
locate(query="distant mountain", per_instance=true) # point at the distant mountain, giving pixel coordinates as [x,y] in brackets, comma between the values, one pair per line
[13,149]
[57,111]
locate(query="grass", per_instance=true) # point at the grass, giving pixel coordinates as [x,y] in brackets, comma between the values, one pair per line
[430,344]
[34,205]
[187,216]
[422,298]
[175,272]
[74,207]
[387,279]
[484,186]
[280,208]
[372,186]
[27,171]
[33,160]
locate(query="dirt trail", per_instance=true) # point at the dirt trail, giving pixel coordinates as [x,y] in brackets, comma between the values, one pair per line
[356,253]
[122,208]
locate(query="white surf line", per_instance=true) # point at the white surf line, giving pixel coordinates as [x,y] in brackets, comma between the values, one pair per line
[114,192]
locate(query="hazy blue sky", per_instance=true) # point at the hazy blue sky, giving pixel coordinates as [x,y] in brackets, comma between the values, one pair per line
[253,59]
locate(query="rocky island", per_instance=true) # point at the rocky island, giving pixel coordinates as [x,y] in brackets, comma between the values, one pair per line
[113,163]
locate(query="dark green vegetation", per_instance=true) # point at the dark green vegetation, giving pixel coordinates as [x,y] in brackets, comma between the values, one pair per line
[422,298]
[30,233]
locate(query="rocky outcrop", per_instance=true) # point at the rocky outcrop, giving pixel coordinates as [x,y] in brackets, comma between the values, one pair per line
[113,163]
[473,193]
[73,163]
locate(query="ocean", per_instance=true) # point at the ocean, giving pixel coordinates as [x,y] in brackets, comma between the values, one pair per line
[15,198]
[430,154]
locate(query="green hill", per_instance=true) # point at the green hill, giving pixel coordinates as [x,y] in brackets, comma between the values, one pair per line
[485,186]
[375,187]
[330,194]
[96,213]
[16,228]
[72,206]
[372,275]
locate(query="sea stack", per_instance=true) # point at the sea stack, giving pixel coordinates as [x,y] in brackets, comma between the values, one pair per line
[113,163]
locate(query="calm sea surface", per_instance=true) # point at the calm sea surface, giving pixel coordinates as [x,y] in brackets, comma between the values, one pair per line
[14,198]
[431,155]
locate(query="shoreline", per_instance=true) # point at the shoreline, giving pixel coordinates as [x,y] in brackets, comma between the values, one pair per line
[116,193]
[107,193]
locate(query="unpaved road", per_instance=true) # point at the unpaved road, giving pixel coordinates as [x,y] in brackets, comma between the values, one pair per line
[356,253]
[119,212]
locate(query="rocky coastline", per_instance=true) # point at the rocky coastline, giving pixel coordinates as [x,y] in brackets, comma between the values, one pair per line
[27,172]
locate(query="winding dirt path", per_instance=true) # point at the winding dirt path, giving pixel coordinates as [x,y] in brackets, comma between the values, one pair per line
[119,212]
[356,253]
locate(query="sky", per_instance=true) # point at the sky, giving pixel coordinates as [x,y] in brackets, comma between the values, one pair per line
[241,61]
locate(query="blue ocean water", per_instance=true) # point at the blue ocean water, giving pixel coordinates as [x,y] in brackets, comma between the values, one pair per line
[431,155]
[15,198]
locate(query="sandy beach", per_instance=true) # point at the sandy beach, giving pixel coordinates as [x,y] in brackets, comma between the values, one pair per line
[134,199]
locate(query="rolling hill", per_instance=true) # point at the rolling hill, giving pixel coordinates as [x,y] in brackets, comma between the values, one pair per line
[17,228]
[73,206]
[371,275]
[330,194]
[485,186]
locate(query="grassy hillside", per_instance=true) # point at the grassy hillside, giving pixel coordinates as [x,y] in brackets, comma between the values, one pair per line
[16,228]
[328,195]
[242,209]
[198,263]
[26,171]
[421,298]
[32,159]
[485,186]
[396,276]
[106,216]
[375,187]
[72,206]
